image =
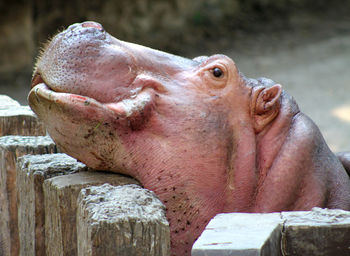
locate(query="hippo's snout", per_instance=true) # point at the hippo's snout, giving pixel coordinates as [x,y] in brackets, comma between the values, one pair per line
[87,61]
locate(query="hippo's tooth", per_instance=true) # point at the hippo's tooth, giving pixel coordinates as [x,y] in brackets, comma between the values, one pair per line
[42,89]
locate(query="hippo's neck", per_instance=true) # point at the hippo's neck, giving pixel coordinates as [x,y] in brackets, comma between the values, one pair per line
[188,180]
[241,172]
[270,141]
[188,211]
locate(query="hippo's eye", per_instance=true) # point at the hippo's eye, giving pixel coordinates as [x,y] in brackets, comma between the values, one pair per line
[217,72]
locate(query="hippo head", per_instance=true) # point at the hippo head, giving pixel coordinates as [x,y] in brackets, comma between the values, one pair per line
[186,129]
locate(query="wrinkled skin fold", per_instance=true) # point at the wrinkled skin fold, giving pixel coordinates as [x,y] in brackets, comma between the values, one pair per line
[203,137]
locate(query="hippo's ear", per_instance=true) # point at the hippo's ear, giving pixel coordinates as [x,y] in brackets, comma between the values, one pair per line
[265,105]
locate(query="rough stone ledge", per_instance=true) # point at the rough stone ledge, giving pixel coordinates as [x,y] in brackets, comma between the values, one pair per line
[316,232]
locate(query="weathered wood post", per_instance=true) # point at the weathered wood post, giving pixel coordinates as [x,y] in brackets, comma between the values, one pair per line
[12,147]
[18,120]
[14,120]
[32,171]
[123,220]
[38,199]
[61,194]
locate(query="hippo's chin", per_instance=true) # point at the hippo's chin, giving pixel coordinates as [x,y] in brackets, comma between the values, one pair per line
[74,116]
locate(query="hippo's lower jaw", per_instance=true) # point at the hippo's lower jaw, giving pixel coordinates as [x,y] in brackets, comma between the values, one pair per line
[88,118]
[69,115]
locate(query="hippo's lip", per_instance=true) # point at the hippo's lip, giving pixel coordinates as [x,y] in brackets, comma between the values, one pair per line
[124,108]
[44,91]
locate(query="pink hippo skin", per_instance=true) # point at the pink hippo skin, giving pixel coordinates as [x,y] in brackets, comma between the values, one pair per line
[198,133]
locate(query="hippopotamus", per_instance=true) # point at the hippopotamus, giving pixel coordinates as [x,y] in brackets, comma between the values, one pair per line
[197,132]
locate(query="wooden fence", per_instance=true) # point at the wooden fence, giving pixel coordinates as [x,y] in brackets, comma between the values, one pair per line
[51,204]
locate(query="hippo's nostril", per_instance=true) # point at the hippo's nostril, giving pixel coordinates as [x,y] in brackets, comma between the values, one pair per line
[92,24]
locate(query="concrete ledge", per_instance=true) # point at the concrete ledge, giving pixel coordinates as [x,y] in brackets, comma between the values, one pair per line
[316,232]
[240,234]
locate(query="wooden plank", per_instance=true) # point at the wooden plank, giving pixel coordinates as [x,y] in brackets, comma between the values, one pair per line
[32,171]
[61,195]
[121,220]
[12,147]
[318,232]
